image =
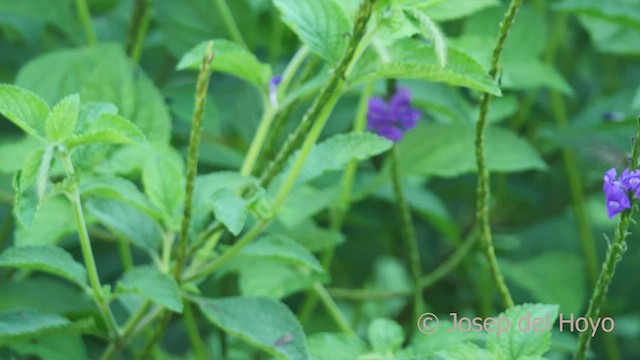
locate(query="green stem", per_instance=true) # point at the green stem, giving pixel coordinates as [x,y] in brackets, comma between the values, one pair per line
[483,191]
[614,255]
[333,309]
[343,203]
[323,104]
[87,252]
[194,150]
[316,116]
[559,111]
[258,140]
[125,254]
[139,27]
[167,244]
[408,233]
[85,20]
[115,347]
[230,22]
[197,344]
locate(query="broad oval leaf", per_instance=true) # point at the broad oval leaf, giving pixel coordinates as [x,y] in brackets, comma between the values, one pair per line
[281,248]
[24,322]
[153,285]
[263,322]
[447,150]
[127,222]
[230,209]
[229,58]
[337,151]
[24,108]
[321,24]
[50,259]
[414,59]
[164,184]
[100,73]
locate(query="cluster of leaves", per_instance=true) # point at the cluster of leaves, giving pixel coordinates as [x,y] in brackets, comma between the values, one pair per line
[95,146]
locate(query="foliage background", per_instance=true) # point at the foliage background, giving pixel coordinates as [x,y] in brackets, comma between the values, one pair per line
[565,60]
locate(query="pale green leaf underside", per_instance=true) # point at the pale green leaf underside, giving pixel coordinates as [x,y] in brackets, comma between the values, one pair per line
[24,108]
[153,285]
[281,248]
[63,118]
[229,58]
[320,24]
[263,322]
[230,209]
[335,152]
[50,259]
[413,59]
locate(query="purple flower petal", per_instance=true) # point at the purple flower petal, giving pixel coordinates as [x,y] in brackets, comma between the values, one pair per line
[609,179]
[617,200]
[390,132]
[378,113]
[630,180]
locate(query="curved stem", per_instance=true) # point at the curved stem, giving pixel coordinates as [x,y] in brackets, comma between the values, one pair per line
[333,309]
[139,27]
[230,22]
[614,255]
[85,20]
[258,140]
[190,324]
[87,252]
[408,233]
[483,190]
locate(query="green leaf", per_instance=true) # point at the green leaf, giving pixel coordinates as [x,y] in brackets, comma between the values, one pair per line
[551,278]
[153,285]
[127,222]
[50,259]
[313,237]
[101,73]
[273,279]
[447,150]
[230,209]
[24,322]
[117,188]
[107,128]
[265,323]
[229,58]
[63,118]
[326,346]
[522,339]
[30,168]
[39,292]
[281,248]
[320,24]
[385,336]
[455,9]
[42,223]
[626,13]
[24,108]
[164,184]
[304,202]
[337,151]
[15,151]
[414,59]
[61,345]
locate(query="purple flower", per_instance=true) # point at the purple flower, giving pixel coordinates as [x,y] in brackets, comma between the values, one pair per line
[617,192]
[630,180]
[391,120]
[273,94]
